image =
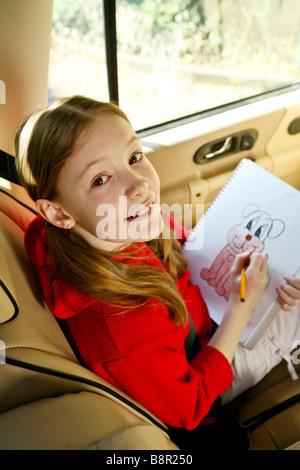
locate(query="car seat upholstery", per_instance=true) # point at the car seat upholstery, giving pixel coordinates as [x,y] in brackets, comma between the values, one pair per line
[48,400]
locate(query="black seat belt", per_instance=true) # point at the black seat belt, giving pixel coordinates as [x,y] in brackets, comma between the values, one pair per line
[192,342]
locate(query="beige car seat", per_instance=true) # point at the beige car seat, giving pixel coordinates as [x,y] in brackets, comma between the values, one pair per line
[48,400]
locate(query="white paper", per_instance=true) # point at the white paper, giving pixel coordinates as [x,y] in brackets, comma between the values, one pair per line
[254,203]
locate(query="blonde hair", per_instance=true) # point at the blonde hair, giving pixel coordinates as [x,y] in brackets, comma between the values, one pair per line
[43,144]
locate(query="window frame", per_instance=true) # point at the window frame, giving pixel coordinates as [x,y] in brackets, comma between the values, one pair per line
[110,28]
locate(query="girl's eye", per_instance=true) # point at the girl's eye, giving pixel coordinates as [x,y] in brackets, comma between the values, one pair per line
[260,230]
[135,158]
[100,180]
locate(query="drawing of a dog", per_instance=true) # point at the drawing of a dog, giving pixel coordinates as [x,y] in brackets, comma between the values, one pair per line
[251,233]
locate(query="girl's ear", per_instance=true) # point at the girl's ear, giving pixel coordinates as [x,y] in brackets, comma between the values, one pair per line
[54,214]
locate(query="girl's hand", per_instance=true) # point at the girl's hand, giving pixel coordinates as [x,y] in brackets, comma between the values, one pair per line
[256,279]
[289,293]
[237,314]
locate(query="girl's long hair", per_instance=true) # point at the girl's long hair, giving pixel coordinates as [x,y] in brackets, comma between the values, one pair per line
[43,144]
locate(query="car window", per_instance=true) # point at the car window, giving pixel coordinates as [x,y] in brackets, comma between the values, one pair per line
[175,58]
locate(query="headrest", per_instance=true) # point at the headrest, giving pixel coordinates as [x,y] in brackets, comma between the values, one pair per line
[9,307]
[16,204]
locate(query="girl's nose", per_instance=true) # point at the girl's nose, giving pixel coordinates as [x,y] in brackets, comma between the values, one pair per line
[136,187]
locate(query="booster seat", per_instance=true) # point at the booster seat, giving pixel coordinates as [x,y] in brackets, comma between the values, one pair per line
[48,400]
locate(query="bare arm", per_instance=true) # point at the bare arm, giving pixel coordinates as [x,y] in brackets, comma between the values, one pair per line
[237,315]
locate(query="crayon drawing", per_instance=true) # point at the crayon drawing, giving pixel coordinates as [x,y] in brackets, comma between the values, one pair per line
[256,226]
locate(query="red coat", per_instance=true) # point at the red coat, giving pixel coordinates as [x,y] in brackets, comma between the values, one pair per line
[140,352]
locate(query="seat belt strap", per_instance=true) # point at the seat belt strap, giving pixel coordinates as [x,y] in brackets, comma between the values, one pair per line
[192,342]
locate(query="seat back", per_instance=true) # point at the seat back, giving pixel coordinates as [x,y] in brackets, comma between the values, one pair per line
[48,400]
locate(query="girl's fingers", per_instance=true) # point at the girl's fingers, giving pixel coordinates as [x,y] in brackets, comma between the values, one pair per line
[285,298]
[283,305]
[291,291]
[289,294]
[293,281]
[241,261]
[258,263]
[286,305]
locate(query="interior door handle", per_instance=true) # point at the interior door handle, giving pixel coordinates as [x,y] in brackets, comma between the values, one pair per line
[224,146]
[223,149]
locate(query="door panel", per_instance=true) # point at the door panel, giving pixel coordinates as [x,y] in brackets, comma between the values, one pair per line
[185,182]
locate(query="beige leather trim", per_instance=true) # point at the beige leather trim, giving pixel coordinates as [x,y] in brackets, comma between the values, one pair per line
[24,385]
[268,398]
[278,432]
[133,436]
[295,446]
[72,422]
[14,204]
[8,301]
[35,327]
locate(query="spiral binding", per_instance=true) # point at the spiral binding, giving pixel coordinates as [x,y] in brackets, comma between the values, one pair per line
[233,175]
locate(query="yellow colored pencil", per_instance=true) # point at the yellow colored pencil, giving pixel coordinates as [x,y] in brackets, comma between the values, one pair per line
[243,285]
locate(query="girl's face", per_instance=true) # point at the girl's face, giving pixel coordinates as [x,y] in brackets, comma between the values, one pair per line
[109,188]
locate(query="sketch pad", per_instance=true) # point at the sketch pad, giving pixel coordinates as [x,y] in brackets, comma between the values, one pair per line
[255,209]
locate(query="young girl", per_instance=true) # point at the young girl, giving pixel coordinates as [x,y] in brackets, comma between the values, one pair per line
[120,285]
